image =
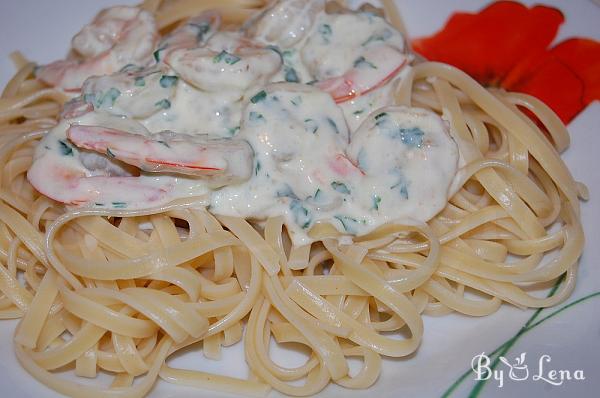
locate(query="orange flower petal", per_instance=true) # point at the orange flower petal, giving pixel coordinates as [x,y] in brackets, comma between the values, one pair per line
[566,78]
[488,44]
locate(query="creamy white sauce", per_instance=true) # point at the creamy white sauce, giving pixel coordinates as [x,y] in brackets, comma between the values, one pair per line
[356,164]
[339,40]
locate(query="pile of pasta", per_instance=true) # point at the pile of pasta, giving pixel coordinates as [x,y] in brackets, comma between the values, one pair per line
[118,292]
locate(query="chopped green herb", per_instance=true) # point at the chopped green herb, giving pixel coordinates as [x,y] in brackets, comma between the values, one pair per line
[65,149]
[291,75]
[112,94]
[257,168]
[412,137]
[340,187]
[167,81]
[255,117]
[386,34]
[139,81]
[233,130]
[287,53]
[404,191]
[163,104]
[90,98]
[110,154]
[318,194]
[381,119]
[349,223]
[296,100]
[201,29]
[312,82]
[402,187]
[311,125]
[358,112]
[228,58]
[100,99]
[119,205]
[165,143]
[362,62]
[325,32]
[99,204]
[260,96]
[286,192]
[376,202]
[302,216]
[157,54]
[333,124]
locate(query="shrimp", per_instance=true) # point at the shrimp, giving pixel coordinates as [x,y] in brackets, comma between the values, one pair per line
[371,71]
[73,187]
[76,107]
[134,92]
[105,176]
[216,69]
[117,36]
[407,158]
[224,161]
[193,33]
[285,23]
[351,53]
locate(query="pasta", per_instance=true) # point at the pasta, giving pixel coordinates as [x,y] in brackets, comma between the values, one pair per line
[119,291]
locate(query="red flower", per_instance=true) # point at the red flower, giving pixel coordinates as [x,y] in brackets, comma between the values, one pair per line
[507,45]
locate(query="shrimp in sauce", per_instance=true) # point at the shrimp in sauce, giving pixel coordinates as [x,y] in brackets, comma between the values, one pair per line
[288,116]
[117,37]
[124,164]
[225,64]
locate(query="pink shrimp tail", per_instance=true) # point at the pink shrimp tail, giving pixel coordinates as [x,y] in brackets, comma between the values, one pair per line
[70,75]
[73,187]
[53,74]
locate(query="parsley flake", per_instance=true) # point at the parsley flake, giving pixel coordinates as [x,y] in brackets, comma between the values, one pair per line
[255,117]
[291,76]
[376,202]
[228,58]
[167,81]
[139,81]
[361,62]
[260,96]
[163,104]
[325,31]
[65,149]
[340,187]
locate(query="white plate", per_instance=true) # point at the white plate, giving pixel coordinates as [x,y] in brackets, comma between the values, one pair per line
[42,30]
